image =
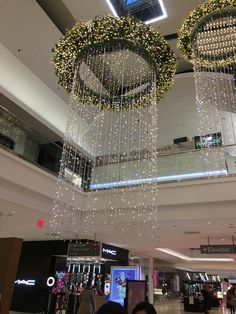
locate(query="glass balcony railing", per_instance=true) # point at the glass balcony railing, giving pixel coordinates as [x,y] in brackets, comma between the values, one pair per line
[17,137]
[187,165]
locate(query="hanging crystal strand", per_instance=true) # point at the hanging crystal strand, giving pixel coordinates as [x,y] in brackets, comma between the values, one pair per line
[120,139]
[86,139]
[138,167]
[154,160]
[132,188]
[97,135]
[84,113]
[216,158]
[231,21]
[60,206]
[205,107]
[107,154]
[218,98]
[148,167]
[113,171]
[125,212]
[229,105]
[201,111]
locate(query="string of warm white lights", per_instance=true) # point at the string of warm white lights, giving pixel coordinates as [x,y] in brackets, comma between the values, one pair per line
[212,42]
[111,132]
[106,146]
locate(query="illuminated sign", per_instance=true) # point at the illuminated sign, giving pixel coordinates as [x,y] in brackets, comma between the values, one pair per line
[209,140]
[232,280]
[119,276]
[24,282]
[218,249]
[108,251]
[84,249]
[50,281]
[40,223]
[114,253]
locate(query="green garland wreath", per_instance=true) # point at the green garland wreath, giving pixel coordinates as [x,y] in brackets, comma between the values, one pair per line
[101,31]
[192,22]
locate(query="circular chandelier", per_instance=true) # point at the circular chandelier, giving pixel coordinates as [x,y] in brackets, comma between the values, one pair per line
[205,34]
[207,40]
[115,70]
[109,32]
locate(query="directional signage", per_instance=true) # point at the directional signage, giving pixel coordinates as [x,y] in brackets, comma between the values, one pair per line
[84,249]
[218,249]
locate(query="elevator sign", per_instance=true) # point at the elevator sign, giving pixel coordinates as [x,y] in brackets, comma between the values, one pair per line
[218,249]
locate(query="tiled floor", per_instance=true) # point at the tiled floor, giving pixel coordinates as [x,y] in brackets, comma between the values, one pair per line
[177,308]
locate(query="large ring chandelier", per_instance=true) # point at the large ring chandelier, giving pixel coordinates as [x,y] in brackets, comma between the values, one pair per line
[128,33]
[115,70]
[212,15]
[207,39]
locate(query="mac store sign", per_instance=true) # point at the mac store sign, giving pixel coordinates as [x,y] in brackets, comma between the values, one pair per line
[114,253]
[103,250]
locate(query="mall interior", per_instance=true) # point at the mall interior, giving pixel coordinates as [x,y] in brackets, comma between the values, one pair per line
[117,155]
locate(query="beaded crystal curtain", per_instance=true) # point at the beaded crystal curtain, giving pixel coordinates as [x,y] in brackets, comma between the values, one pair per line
[109,155]
[211,49]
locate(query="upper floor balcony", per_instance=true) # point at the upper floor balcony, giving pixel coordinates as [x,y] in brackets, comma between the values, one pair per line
[181,161]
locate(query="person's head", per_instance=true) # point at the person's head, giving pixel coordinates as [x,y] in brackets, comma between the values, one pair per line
[112,308]
[144,308]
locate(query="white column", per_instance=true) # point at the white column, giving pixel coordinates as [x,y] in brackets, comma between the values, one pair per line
[150,281]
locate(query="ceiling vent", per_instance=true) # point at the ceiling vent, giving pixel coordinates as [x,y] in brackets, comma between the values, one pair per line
[191,232]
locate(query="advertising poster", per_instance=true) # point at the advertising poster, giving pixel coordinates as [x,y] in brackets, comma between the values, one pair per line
[136,293]
[119,276]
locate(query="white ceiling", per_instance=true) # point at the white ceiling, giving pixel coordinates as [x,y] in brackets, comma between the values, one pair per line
[27,78]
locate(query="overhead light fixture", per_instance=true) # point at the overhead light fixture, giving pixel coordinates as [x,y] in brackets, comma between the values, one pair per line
[163,16]
[112,8]
[195,259]
[158,179]
[150,21]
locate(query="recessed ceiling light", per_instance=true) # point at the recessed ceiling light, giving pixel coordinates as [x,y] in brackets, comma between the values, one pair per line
[209,222]
[112,8]
[155,19]
[195,259]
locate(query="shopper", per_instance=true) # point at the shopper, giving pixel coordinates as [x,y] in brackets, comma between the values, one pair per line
[231,299]
[206,299]
[144,308]
[112,308]
[87,302]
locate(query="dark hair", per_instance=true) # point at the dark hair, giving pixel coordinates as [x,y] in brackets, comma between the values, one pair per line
[112,308]
[144,306]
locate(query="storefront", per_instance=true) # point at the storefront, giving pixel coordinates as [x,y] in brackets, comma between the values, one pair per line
[193,285]
[52,273]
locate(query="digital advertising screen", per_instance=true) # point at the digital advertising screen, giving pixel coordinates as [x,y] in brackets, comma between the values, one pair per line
[119,276]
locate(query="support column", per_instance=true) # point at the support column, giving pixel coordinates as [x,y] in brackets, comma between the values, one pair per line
[150,281]
[10,250]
